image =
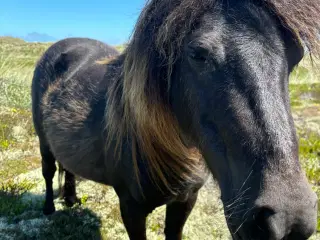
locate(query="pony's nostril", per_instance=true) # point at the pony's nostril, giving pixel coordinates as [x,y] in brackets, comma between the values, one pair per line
[262,214]
[267,223]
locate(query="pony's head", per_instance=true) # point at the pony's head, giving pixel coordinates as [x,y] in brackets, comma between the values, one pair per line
[213,75]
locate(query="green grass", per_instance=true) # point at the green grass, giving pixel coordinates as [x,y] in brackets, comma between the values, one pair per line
[18,146]
[309,93]
[24,219]
[17,61]
[99,216]
[120,48]
[11,194]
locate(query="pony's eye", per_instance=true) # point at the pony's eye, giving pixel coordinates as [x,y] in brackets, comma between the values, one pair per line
[200,59]
[197,56]
[197,53]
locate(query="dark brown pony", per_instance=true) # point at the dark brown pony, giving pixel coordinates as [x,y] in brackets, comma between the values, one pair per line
[202,84]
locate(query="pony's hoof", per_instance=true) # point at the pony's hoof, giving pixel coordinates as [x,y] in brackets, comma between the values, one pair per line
[70,201]
[47,210]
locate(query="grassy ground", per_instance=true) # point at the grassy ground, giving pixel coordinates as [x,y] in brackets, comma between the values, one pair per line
[22,186]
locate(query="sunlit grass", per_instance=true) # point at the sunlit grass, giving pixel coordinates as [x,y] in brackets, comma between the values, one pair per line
[308,71]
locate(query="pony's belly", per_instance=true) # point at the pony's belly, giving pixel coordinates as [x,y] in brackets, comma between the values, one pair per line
[83,160]
[87,169]
[80,151]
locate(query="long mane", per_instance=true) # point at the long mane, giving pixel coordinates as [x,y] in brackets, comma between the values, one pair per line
[302,17]
[138,101]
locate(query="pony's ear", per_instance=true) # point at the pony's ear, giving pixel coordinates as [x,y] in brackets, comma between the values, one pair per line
[65,59]
[294,47]
[61,65]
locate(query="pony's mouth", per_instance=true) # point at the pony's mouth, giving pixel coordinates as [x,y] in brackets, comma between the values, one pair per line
[237,236]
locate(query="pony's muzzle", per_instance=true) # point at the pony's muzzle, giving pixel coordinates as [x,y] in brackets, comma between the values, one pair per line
[270,222]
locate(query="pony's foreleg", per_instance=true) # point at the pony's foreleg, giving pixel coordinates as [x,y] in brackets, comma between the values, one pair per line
[177,214]
[48,171]
[134,218]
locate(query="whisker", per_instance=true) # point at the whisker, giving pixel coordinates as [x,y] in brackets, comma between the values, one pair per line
[236,201]
[240,226]
[260,228]
[237,196]
[247,212]
[241,204]
[249,175]
[248,209]
[245,181]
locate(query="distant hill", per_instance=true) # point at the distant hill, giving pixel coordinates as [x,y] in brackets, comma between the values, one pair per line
[11,40]
[38,37]
[24,41]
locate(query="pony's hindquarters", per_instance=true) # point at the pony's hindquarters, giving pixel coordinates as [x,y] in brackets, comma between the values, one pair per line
[64,91]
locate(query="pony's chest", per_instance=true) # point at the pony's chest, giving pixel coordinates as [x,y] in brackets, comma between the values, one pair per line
[145,189]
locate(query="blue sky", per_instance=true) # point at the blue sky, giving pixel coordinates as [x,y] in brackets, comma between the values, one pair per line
[111,21]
